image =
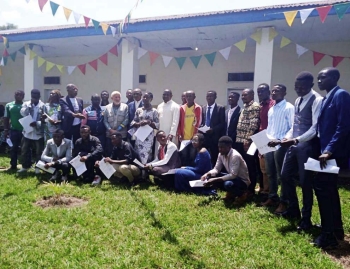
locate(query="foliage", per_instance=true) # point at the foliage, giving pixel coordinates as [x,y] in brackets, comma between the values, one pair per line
[8,26]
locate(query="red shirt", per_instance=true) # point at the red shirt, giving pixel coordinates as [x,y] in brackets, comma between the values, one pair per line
[264,109]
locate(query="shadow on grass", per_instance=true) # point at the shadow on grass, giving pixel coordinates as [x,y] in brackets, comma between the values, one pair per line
[7,195]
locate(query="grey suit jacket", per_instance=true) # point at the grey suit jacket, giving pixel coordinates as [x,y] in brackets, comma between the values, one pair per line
[50,151]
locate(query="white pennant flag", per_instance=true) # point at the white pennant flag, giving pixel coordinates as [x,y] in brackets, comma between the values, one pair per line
[166,60]
[305,13]
[70,69]
[2,61]
[141,52]
[300,50]
[113,30]
[225,52]
[76,17]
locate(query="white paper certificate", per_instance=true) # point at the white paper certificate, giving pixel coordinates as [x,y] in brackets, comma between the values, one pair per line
[184,143]
[261,140]
[203,129]
[314,165]
[170,172]
[41,165]
[106,168]
[79,166]
[143,132]
[25,122]
[197,183]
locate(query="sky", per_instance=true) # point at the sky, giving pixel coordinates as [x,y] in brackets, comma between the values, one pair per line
[25,15]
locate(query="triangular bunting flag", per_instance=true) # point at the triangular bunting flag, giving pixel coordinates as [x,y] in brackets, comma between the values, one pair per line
[131,46]
[22,50]
[82,68]
[152,56]
[41,61]
[67,12]
[290,16]
[31,46]
[210,57]
[272,33]
[13,56]
[5,60]
[317,57]
[93,64]
[114,50]
[140,53]
[180,61]
[105,27]
[42,3]
[104,58]
[86,20]
[304,14]
[95,23]
[0,72]
[70,69]
[241,45]
[300,50]
[113,30]
[323,12]
[341,9]
[257,36]
[76,17]
[32,55]
[60,68]
[225,52]
[54,7]
[49,66]
[166,60]
[284,42]
[5,53]
[2,61]
[337,60]
[195,60]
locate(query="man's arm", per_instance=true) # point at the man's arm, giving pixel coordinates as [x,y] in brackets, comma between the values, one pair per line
[97,153]
[68,156]
[45,155]
[176,118]
[198,116]
[254,120]
[126,117]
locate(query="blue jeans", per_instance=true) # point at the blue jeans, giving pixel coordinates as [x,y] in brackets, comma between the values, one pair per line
[16,138]
[235,186]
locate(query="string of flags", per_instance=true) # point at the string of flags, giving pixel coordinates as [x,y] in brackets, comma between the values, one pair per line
[322,11]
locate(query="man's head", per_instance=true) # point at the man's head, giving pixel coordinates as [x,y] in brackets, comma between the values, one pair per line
[225,145]
[55,96]
[95,100]
[161,137]
[247,95]
[35,96]
[129,95]
[263,91]
[303,83]
[233,99]
[19,96]
[58,136]
[104,96]
[85,132]
[183,98]
[137,94]
[328,78]
[279,91]
[115,96]
[211,97]
[116,139]
[167,95]
[190,97]
[72,90]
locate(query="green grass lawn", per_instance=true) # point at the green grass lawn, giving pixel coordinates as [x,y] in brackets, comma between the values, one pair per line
[146,227]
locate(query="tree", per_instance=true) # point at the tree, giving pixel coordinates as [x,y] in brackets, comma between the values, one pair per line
[8,26]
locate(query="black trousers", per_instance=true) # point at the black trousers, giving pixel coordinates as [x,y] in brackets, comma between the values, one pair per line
[73,133]
[251,162]
[64,167]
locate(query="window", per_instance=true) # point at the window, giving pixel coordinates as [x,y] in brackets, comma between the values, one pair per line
[142,78]
[249,76]
[52,80]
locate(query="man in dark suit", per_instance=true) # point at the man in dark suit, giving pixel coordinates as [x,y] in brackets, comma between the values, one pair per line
[232,116]
[134,105]
[213,116]
[72,111]
[334,132]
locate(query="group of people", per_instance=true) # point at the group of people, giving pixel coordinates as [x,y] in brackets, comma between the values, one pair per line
[315,126]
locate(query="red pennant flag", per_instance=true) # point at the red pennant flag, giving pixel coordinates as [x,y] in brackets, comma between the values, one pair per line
[104,58]
[318,57]
[93,64]
[87,20]
[337,60]
[5,53]
[114,50]
[42,3]
[82,68]
[152,56]
[323,12]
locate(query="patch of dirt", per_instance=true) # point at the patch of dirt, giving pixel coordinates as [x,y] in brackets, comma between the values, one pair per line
[61,201]
[342,253]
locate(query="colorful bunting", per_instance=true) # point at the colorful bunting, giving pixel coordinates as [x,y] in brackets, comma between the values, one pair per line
[272,33]
[41,61]
[140,53]
[104,58]
[317,57]
[32,55]
[22,50]
[300,50]
[67,12]
[5,53]
[195,60]
[152,56]
[337,60]
[305,13]
[210,57]
[341,9]
[86,20]
[114,50]
[113,30]
[93,64]
[96,24]
[105,27]
[76,17]
[70,69]
[323,12]
[241,45]
[49,66]
[31,46]
[225,52]
[180,61]
[13,56]
[0,72]
[257,36]
[166,60]
[290,16]
[54,7]
[60,68]
[82,68]
[6,43]
[131,46]
[284,42]
[42,3]
[5,60]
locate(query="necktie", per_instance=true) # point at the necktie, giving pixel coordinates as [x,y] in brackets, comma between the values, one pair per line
[161,152]
[323,101]
[301,100]
[207,120]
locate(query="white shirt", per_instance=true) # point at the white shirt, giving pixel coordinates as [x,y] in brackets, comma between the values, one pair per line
[229,116]
[137,104]
[169,115]
[74,102]
[280,120]
[171,148]
[33,135]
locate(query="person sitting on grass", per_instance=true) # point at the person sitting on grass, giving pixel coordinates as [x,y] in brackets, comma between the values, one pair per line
[89,149]
[202,164]
[57,154]
[121,158]
[236,181]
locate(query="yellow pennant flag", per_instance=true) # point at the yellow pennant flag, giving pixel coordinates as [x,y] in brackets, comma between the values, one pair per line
[272,33]
[257,36]
[284,41]
[0,72]
[105,27]
[290,16]
[49,66]
[60,67]
[5,41]
[67,12]
[41,61]
[241,45]
[32,55]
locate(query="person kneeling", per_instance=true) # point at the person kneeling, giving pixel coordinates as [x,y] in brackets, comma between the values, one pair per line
[57,154]
[236,181]
[121,158]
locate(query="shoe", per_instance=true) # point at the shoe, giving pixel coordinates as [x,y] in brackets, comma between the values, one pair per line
[282,207]
[304,225]
[291,214]
[22,170]
[338,232]
[37,171]
[12,168]
[64,179]
[241,199]
[97,180]
[326,241]
[269,202]
[54,177]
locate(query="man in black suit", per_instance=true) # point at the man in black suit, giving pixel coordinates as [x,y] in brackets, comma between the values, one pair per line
[72,111]
[232,116]
[213,116]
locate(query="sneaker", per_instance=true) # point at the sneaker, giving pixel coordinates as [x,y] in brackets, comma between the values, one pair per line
[37,171]
[22,170]
[64,179]
[97,180]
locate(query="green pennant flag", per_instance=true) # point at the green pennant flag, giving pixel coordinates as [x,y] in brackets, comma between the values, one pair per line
[54,7]
[195,60]
[22,50]
[180,61]
[341,9]
[210,57]
[13,56]
[5,60]
[96,24]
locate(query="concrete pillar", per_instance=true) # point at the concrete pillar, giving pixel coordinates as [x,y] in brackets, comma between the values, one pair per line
[32,77]
[263,61]
[129,69]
